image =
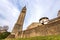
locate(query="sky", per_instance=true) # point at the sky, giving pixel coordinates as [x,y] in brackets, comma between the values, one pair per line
[10,10]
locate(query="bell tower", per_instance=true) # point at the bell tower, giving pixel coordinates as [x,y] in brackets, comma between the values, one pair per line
[19,24]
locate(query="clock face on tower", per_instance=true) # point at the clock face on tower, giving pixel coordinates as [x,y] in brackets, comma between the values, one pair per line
[44,20]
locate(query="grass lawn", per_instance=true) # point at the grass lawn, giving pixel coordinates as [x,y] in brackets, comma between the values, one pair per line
[53,37]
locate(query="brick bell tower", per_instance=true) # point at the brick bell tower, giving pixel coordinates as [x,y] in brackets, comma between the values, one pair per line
[19,24]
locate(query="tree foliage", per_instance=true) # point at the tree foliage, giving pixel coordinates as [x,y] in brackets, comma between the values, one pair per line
[4,35]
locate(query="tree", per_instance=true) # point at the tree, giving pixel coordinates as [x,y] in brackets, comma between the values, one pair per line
[5,28]
[0,27]
[4,35]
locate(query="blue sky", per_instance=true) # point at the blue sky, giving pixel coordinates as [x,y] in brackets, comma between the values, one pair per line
[10,10]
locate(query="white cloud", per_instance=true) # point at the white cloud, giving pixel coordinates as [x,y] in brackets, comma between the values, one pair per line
[38,9]
[35,10]
[10,12]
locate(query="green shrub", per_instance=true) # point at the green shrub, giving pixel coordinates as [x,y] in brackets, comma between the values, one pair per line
[4,35]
